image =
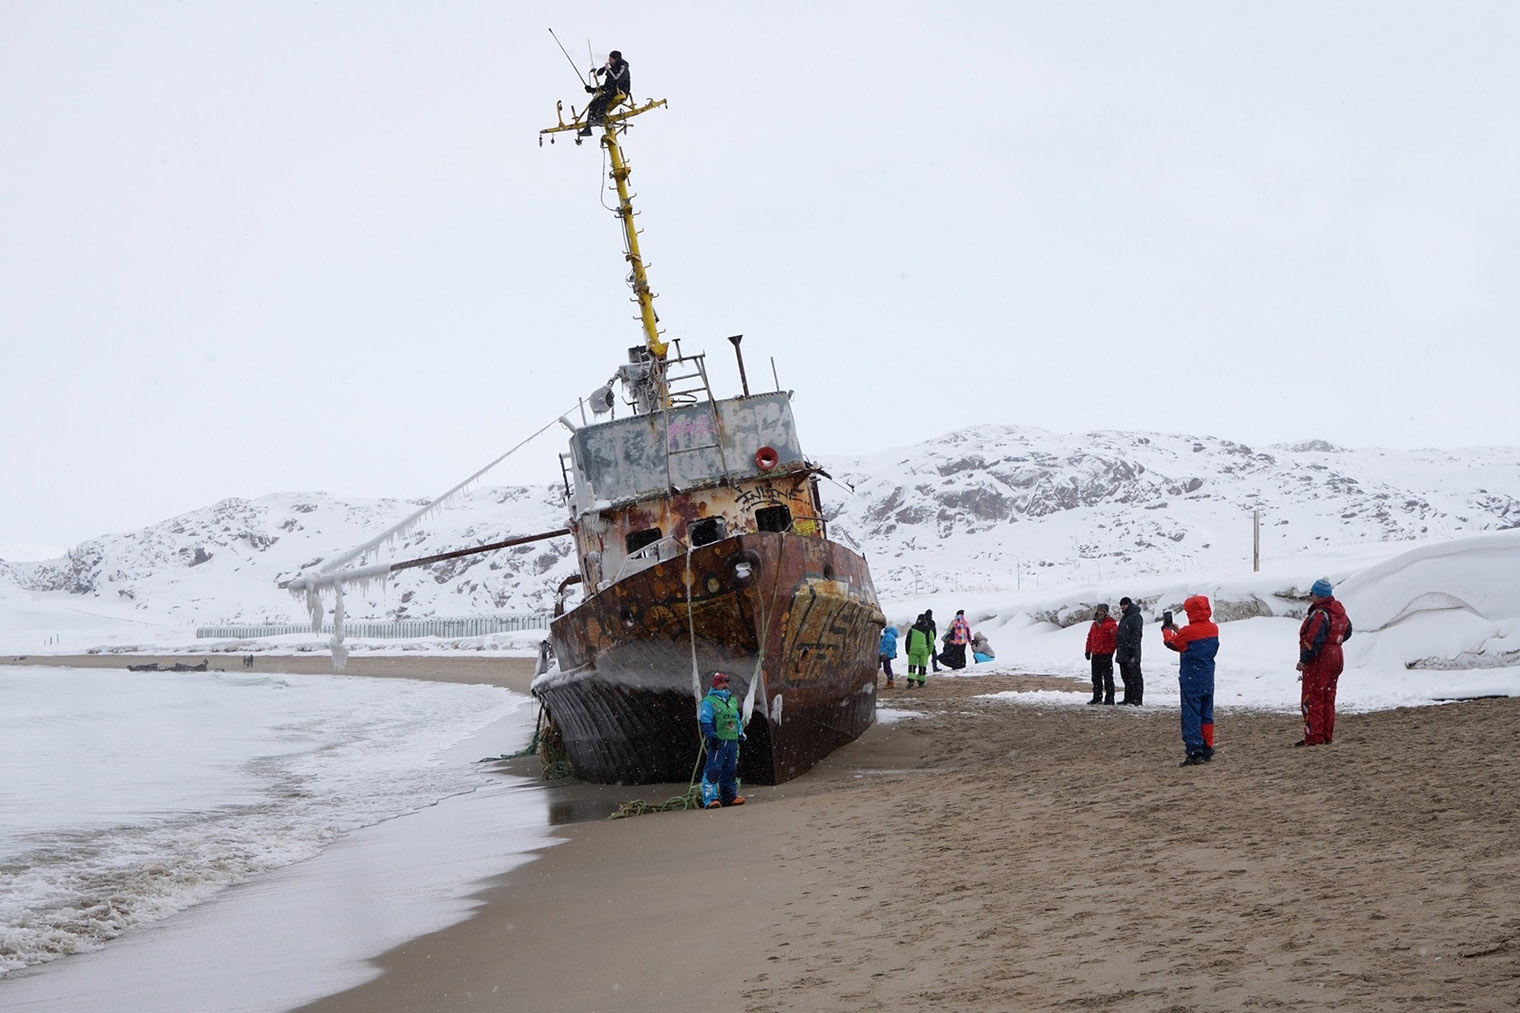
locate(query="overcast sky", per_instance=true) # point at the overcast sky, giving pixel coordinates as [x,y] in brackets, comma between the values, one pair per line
[250,247]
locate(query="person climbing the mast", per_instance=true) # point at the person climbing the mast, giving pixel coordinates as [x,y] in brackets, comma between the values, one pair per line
[615,84]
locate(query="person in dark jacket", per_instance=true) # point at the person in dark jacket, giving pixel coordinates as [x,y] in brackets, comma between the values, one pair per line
[920,648]
[1101,639]
[1325,628]
[615,83]
[1127,651]
[1198,643]
[933,638]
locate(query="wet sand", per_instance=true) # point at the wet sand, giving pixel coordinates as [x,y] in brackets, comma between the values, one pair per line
[991,856]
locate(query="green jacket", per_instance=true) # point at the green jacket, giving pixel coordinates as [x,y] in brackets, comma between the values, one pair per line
[719,715]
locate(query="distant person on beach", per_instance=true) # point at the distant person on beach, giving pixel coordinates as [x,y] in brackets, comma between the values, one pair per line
[981,650]
[722,731]
[1127,651]
[616,81]
[1197,642]
[957,639]
[920,649]
[1101,638]
[1325,628]
[887,651]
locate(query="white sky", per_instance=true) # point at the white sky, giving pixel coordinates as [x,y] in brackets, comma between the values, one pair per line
[257,247]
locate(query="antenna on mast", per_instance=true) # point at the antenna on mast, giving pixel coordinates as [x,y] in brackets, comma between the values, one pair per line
[562,49]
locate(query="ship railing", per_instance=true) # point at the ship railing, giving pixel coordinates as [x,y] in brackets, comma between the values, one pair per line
[665,548]
[673,380]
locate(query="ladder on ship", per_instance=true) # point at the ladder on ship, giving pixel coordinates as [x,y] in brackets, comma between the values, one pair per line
[680,397]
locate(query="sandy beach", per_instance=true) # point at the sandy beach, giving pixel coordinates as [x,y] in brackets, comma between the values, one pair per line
[989,855]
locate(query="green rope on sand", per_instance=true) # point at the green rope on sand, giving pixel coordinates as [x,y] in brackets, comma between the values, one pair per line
[638,807]
[691,800]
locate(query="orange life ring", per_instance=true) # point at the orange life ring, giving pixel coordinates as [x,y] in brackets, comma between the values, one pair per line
[766,458]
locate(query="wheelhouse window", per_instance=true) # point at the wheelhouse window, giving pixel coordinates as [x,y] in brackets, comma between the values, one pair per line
[637,540]
[774,518]
[706,531]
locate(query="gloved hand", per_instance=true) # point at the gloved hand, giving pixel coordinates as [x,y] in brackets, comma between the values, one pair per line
[1087,655]
[743,737]
[590,90]
[712,747]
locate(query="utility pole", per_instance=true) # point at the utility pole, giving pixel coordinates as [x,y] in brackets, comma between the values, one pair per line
[1256,541]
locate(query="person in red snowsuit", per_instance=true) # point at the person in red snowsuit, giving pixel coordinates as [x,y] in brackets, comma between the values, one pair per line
[1102,638]
[1325,628]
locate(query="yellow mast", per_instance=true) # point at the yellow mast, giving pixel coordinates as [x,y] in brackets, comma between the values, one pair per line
[619,111]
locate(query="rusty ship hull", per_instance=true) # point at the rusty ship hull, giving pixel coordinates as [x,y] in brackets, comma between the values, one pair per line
[795,615]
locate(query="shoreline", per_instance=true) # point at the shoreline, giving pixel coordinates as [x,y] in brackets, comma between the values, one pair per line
[988,854]
[514,673]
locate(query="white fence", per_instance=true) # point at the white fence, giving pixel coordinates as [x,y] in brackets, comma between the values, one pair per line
[469,626]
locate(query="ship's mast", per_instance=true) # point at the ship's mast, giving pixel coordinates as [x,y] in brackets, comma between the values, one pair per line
[619,112]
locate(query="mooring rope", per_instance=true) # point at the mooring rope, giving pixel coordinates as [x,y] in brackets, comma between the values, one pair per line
[692,799]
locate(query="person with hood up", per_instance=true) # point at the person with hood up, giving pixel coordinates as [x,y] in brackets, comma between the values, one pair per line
[957,639]
[928,617]
[618,83]
[1102,636]
[981,650]
[1127,652]
[722,730]
[920,648]
[886,651]
[1197,642]
[1325,628]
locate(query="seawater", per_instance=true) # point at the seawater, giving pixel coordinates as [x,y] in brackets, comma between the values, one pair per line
[128,796]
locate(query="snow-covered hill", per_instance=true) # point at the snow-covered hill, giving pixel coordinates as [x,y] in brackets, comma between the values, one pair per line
[987,509]
[996,507]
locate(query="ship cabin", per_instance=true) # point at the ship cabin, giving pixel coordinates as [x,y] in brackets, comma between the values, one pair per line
[654,485]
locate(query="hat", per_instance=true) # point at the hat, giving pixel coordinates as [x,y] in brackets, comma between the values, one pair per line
[1102,608]
[1125,601]
[615,55]
[929,612]
[960,612]
[1322,588]
[720,679]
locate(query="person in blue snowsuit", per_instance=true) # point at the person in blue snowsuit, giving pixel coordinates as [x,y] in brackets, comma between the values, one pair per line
[722,729]
[887,651]
[1197,642]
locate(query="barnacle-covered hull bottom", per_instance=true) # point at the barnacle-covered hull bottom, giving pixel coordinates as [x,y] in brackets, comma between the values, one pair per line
[794,615]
